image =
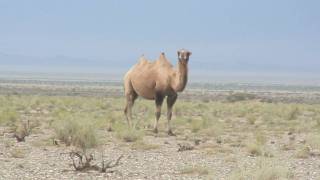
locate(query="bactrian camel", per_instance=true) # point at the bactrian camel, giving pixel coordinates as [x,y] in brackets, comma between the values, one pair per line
[155,81]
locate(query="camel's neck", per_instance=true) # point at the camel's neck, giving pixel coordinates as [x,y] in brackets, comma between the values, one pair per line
[181,78]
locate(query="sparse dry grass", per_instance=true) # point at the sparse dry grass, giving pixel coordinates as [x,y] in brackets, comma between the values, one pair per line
[207,119]
[257,146]
[239,125]
[8,116]
[254,149]
[195,170]
[271,173]
[303,152]
[128,134]
[313,140]
[43,142]
[264,170]
[141,145]
[18,153]
[251,118]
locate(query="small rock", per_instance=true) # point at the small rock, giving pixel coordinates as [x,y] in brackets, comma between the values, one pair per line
[197,142]
[302,141]
[33,112]
[292,138]
[185,147]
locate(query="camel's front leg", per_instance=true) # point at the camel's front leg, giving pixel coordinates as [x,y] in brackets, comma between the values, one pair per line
[170,102]
[159,100]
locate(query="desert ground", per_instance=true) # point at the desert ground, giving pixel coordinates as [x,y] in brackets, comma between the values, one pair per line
[223,131]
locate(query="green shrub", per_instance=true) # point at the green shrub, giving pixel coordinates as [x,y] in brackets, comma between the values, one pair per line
[196,125]
[293,113]
[235,97]
[251,118]
[254,149]
[317,119]
[127,134]
[260,138]
[85,137]
[76,131]
[8,117]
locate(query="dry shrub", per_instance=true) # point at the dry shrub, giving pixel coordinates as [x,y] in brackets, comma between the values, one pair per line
[82,161]
[22,130]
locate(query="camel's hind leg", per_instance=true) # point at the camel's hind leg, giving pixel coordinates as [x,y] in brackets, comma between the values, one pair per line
[159,100]
[131,96]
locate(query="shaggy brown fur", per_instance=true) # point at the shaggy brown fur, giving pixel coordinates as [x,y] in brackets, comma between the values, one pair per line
[154,81]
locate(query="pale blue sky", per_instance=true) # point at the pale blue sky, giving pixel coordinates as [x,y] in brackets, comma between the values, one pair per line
[271,35]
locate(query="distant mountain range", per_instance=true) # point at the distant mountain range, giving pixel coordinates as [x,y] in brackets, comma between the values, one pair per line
[50,62]
[12,62]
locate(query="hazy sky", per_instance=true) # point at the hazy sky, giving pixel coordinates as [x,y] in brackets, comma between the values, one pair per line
[276,34]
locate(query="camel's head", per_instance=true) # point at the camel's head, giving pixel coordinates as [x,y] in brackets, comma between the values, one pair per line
[183,55]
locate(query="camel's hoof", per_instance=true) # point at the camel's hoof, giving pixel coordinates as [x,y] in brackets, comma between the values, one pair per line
[170,133]
[155,131]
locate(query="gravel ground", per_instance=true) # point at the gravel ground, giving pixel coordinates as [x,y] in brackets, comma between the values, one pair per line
[53,162]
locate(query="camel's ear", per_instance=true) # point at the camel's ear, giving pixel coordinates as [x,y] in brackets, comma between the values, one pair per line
[189,53]
[178,52]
